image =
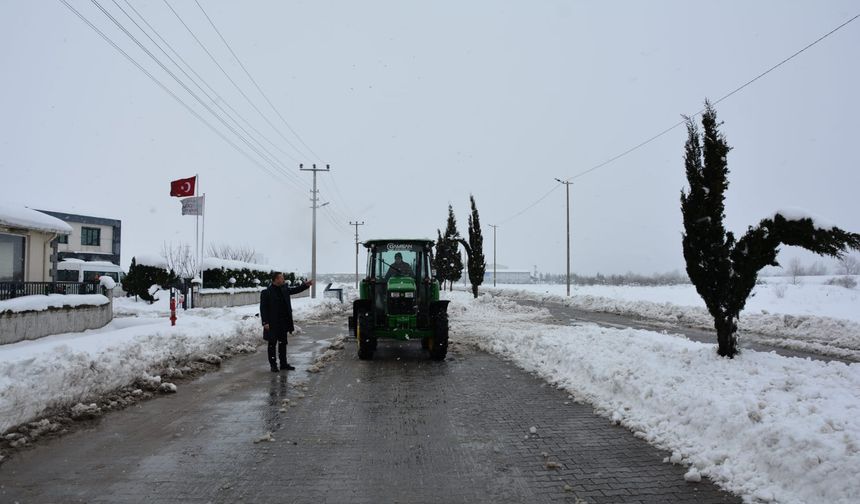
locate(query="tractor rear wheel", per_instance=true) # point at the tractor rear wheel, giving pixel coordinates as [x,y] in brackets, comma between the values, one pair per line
[438,343]
[364,337]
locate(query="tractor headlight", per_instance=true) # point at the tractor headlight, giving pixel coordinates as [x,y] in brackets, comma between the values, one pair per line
[409,294]
[395,294]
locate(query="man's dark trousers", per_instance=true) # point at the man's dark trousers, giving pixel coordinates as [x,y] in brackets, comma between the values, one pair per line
[282,352]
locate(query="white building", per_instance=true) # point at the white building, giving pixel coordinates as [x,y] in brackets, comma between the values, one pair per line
[92,238]
[26,250]
[506,275]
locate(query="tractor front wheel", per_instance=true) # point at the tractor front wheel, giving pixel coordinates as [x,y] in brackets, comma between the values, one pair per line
[364,337]
[438,343]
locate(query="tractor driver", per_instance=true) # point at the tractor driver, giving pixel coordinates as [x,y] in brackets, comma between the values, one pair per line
[399,268]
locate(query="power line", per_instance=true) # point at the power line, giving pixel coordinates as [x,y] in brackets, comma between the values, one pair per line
[179,81]
[727,95]
[235,85]
[682,122]
[219,99]
[270,158]
[336,192]
[164,87]
[255,81]
[526,209]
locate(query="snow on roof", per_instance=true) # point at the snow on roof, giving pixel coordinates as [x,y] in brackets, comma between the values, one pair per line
[152,260]
[27,218]
[795,214]
[216,263]
[77,264]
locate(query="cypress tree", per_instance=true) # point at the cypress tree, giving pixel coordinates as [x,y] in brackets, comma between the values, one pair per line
[440,259]
[454,264]
[475,250]
[724,270]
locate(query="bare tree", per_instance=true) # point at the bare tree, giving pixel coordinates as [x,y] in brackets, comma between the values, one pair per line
[243,253]
[849,265]
[795,269]
[181,259]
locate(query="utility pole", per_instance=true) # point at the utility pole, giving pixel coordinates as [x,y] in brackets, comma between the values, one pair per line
[315,201]
[567,184]
[356,224]
[494,226]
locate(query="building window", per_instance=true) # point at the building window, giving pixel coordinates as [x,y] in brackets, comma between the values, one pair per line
[63,239]
[12,258]
[91,236]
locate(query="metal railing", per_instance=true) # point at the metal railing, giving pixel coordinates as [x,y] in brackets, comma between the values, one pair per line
[9,290]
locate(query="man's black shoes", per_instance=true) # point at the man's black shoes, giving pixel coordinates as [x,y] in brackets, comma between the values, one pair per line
[274,369]
[287,367]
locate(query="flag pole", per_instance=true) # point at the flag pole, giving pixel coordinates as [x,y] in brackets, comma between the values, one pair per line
[197,221]
[203,239]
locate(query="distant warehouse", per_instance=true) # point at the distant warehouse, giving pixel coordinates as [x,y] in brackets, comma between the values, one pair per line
[507,276]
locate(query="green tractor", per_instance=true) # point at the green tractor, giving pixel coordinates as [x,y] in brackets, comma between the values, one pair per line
[399,299]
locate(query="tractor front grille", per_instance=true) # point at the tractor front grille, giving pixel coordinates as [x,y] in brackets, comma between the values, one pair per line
[399,304]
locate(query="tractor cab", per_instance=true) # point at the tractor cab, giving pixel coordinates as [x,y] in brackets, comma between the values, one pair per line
[399,298]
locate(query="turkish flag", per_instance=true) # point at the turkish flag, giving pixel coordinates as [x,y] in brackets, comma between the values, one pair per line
[183,187]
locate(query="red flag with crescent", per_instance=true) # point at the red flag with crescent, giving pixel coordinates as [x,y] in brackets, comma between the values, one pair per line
[183,187]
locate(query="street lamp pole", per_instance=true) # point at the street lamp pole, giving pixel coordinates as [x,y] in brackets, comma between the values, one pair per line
[567,184]
[494,226]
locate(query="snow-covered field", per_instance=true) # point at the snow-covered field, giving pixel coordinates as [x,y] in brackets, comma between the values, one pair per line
[61,370]
[767,427]
[808,316]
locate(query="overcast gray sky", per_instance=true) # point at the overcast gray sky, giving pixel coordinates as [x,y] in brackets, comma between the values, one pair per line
[418,104]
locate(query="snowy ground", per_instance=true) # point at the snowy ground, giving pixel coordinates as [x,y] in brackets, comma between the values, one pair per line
[766,427]
[808,316]
[62,370]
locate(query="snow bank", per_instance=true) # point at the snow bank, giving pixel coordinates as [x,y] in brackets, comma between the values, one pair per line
[800,326]
[22,217]
[763,426]
[42,302]
[62,370]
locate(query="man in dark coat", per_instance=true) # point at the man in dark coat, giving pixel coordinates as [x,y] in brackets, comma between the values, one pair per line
[276,313]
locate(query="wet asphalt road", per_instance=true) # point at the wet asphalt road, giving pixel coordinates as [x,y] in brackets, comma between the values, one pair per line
[398,429]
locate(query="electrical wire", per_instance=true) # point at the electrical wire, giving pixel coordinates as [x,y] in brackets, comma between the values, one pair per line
[682,122]
[270,158]
[165,88]
[722,98]
[219,98]
[233,82]
[277,112]
[178,81]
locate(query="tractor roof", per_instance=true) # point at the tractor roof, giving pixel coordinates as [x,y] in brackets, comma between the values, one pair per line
[381,241]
